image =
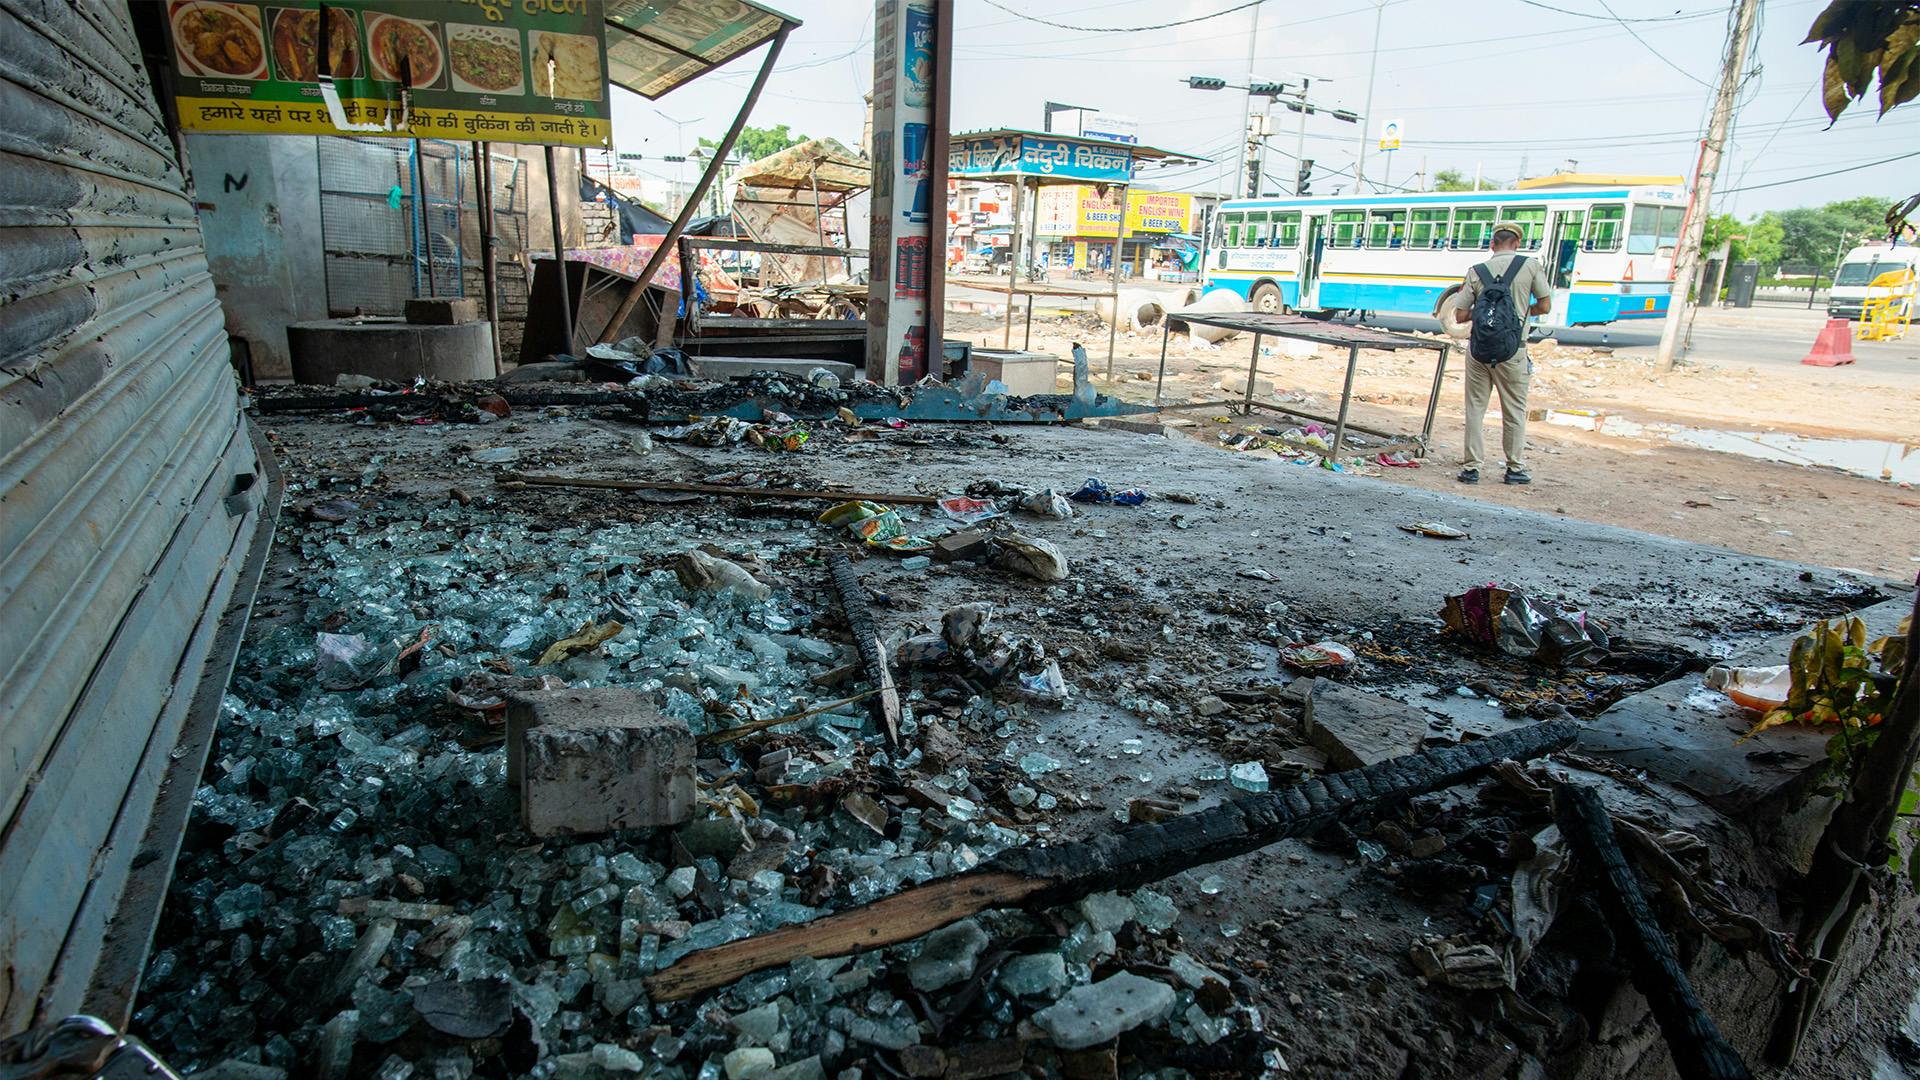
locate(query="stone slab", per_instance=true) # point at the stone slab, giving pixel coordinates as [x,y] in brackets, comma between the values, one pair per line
[1355,728]
[1683,734]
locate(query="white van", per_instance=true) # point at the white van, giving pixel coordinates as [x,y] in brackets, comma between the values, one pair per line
[1852,284]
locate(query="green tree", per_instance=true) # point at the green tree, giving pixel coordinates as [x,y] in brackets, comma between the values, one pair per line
[1451,180]
[1758,240]
[1818,234]
[755,143]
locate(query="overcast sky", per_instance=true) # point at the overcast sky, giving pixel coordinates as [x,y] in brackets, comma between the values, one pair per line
[1486,83]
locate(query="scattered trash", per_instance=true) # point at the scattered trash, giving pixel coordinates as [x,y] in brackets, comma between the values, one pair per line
[1465,967]
[1397,460]
[332,511]
[345,660]
[494,455]
[875,526]
[581,640]
[1831,673]
[1096,491]
[1438,529]
[968,511]
[1761,689]
[1519,625]
[1325,654]
[709,573]
[1038,559]
[1047,503]
[1046,685]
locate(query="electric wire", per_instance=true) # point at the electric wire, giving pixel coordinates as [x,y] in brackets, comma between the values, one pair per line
[1121,29]
[1657,54]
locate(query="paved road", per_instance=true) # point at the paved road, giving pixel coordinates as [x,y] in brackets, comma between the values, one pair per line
[1766,335]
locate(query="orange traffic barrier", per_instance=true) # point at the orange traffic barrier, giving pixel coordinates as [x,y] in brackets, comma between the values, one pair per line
[1833,347]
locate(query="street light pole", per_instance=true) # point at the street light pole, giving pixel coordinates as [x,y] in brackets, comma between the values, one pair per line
[1366,115]
[1246,107]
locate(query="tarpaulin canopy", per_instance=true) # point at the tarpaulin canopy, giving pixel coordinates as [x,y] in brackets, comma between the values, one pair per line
[655,46]
[823,164]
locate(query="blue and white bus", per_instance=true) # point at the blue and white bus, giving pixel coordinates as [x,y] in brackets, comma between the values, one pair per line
[1609,249]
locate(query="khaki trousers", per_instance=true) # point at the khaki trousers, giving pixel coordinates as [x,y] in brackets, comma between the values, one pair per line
[1510,378]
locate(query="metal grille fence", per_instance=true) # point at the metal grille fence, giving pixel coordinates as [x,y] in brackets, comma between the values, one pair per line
[383,244]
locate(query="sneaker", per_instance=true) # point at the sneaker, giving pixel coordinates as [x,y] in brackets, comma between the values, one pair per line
[1469,476]
[1518,476]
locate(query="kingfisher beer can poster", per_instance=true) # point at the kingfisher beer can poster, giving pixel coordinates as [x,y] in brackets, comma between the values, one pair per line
[523,71]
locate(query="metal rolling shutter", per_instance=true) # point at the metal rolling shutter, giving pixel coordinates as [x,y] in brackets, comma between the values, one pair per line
[132,508]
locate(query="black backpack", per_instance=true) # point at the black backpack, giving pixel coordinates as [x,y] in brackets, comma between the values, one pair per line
[1499,330]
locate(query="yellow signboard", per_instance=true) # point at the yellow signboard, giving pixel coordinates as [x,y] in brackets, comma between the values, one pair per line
[530,72]
[1158,212]
[1083,211]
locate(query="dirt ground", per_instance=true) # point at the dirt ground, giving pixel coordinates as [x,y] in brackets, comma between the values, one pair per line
[1815,515]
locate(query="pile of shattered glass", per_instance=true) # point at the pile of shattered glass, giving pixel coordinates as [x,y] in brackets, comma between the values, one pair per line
[354,896]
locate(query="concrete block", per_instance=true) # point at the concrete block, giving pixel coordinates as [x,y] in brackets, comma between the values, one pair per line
[442,310]
[960,546]
[1355,728]
[1024,373]
[594,760]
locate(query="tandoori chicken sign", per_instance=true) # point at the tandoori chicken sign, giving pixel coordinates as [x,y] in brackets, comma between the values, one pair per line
[523,71]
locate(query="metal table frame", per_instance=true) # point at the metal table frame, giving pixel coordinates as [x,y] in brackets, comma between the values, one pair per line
[1320,332]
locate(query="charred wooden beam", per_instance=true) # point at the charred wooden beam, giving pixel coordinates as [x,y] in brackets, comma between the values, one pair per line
[866,638]
[1699,1050]
[1125,859]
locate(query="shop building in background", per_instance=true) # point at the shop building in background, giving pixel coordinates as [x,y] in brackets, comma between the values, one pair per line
[1077,226]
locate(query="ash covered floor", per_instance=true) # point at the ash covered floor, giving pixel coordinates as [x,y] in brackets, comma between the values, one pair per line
[355,895]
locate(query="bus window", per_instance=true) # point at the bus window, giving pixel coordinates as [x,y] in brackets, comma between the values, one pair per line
[1670,219]
[1654,227]
[1429,229]
[1386,228]
[1286,229]
[1231,221]
[1472,228]
[1256,234]
[1603,228]
[1346,228]
[1534,220]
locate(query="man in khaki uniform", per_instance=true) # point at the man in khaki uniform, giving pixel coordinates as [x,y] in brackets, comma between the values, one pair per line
[1532,295]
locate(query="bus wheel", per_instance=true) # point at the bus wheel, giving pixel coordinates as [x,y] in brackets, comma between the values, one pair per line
[1266,300]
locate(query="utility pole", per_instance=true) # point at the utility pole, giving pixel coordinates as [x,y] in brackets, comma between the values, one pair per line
[1246,108]
[1366,114]
[1688,253]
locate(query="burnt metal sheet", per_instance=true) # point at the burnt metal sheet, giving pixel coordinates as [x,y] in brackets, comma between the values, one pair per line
[121,456]
[1304,329]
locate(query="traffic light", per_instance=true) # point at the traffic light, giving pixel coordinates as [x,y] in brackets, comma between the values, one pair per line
[1204,82]
[1267,89]
[1303,180]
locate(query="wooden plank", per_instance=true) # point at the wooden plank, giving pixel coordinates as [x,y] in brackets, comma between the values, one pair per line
[722,489]
[900,917]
